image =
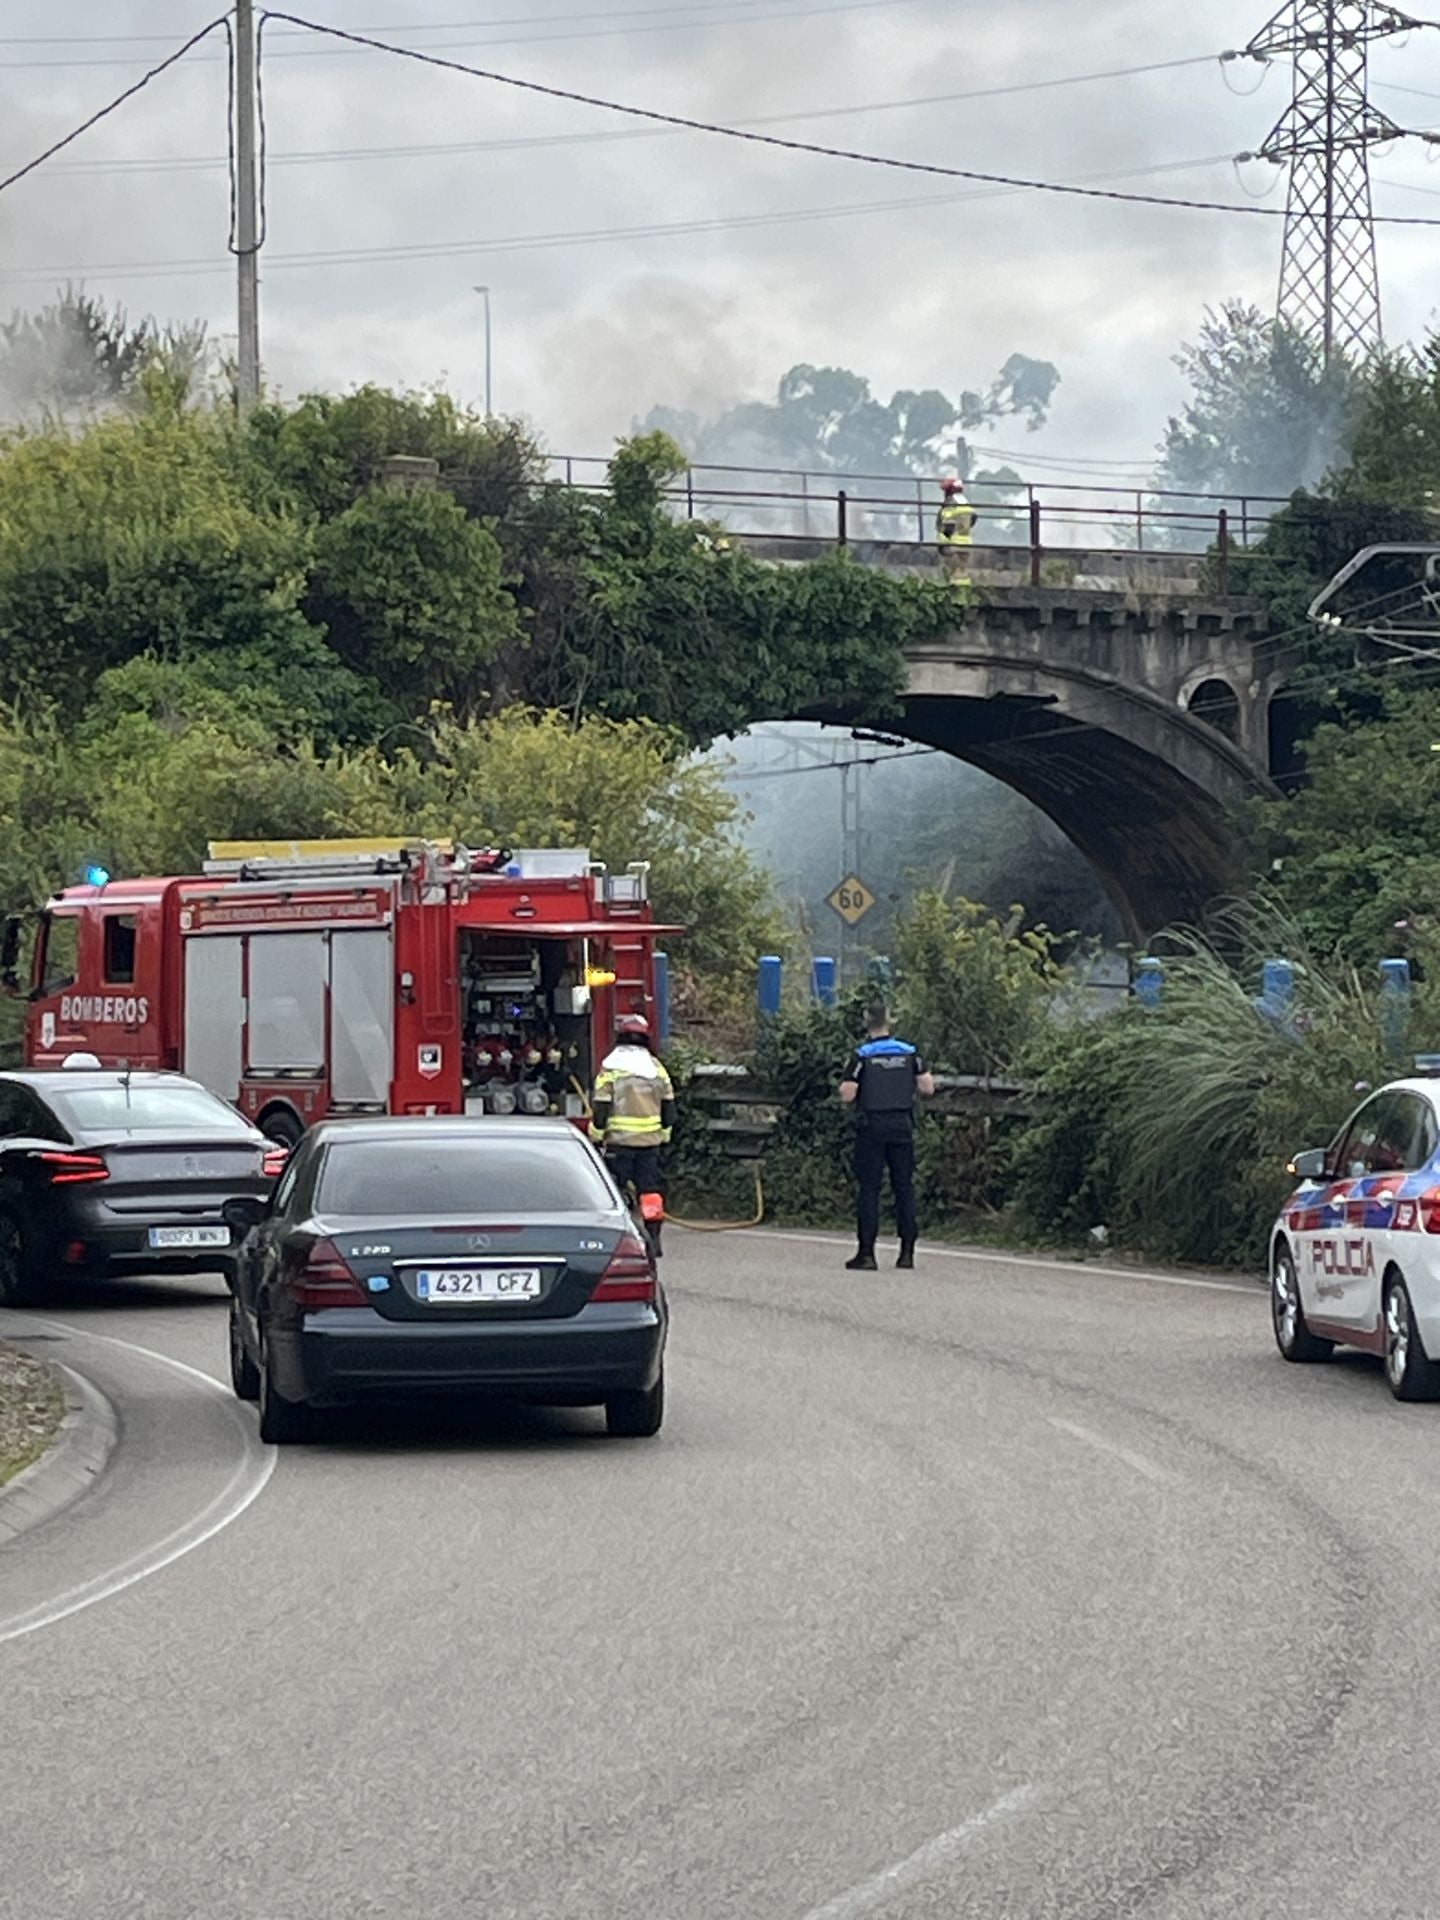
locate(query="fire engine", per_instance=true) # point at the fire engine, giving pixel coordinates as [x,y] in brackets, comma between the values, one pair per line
[351,977]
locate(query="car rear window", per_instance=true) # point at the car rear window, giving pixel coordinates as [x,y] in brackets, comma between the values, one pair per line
[144,1108]
[416,1174]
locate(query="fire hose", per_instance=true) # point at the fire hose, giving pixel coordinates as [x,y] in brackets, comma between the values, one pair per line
[674,1219]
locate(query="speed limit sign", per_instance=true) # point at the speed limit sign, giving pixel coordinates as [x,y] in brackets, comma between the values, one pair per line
[852,900]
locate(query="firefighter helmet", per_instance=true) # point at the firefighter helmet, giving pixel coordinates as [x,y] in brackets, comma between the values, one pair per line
[952,485]
[633,1026]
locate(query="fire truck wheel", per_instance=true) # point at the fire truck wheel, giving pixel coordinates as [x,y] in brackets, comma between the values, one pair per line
[636,1416]
[244,1374]
[283,1423]
[21,1271]
[282,1125]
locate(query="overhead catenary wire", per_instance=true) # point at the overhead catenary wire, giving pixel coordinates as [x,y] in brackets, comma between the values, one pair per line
[782,142]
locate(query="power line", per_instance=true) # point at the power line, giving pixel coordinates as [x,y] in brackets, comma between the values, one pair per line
[684,121]
[119,101]
[514,243]
[794,11]
[409,26]
[612,134]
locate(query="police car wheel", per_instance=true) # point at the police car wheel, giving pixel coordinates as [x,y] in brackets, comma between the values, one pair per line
[1411,1376]
[1292,1336]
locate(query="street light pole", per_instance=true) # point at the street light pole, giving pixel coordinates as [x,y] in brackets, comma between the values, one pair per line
[484,293]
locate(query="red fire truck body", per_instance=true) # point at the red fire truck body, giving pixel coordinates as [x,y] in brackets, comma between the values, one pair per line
[353,977]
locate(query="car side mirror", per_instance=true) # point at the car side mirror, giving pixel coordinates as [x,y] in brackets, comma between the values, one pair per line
[244,1213]
[1309,1165]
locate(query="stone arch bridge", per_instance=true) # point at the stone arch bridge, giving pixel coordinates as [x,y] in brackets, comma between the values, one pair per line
[1128,699]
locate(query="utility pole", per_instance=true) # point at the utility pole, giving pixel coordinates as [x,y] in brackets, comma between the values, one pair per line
[247,209]
[1329,276]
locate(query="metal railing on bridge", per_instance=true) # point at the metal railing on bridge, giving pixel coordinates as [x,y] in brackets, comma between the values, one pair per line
[799,505]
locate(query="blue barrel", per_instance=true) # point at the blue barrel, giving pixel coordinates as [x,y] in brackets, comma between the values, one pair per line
[1394,1003]
[662,997]
[1149,982]
[772,974]
[1277,985]
[825,983]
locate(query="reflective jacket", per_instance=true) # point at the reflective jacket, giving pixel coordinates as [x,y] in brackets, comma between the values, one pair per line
[955,524]
[634,1102]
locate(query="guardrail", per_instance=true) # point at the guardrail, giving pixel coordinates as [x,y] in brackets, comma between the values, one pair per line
[846,510]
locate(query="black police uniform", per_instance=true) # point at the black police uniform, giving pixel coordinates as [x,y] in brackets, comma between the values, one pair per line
[887,1072]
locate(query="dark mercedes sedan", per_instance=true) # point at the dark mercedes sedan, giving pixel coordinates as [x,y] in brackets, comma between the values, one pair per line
[112,1171]
[400,1258]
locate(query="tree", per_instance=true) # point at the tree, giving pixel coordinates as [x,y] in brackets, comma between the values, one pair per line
[826,419]
[1395,449]
[412,596]
[79,356]
[1353,856]
[321,455]
[1265,414]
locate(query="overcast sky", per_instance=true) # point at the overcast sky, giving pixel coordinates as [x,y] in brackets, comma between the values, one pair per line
[936,289]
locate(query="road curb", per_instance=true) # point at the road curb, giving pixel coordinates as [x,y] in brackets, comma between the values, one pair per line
[69,1467]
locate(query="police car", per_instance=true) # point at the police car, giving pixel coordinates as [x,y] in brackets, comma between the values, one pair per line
[1355,1254]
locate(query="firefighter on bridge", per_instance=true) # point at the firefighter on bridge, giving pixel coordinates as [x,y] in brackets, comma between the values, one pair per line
[955,532]
[634,1113]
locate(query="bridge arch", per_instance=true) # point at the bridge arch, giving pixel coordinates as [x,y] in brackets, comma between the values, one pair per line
[1138,779]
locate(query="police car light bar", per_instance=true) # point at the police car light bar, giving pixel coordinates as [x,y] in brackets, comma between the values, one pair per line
[1427,1066]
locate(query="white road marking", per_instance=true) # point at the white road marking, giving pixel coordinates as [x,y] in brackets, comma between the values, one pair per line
[243,1488]
[1073,1269]
[1097,1440]
[921,1865]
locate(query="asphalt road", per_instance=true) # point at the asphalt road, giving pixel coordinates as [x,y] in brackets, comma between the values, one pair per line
[992,1590]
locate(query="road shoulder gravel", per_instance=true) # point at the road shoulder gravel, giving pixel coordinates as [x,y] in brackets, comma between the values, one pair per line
[57,1433]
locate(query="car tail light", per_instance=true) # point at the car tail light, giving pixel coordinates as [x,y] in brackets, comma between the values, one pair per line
[324,1281]
[73,1169]
[1429,1206]
[630,1274]
[275,1162]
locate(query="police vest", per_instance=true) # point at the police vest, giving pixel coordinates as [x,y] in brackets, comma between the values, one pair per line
[887,1076]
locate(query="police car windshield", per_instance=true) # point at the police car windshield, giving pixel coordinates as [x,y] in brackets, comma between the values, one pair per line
[143,1108]
[483,1175]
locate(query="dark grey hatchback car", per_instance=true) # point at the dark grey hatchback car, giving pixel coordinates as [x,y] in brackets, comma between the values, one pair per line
[400,1258]
[103,1170]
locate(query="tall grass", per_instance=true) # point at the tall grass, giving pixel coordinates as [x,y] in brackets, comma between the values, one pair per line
[1172,1126]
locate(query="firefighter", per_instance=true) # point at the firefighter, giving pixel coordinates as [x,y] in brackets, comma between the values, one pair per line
[881,1083]
[634,1109]
[955,532]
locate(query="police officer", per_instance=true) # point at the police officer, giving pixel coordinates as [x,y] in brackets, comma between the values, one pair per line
[634,1113]
[881,1082]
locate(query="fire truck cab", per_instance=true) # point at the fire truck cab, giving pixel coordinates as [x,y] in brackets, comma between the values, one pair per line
[353,977]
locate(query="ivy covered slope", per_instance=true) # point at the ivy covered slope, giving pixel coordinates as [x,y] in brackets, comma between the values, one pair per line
[215,631]
[272,562]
